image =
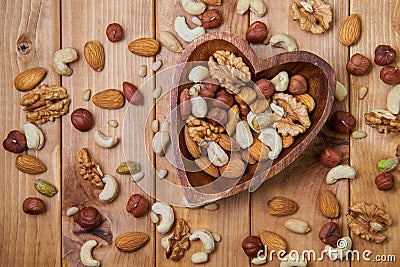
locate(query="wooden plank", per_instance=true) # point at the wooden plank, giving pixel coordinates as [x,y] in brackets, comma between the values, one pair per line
[385,31]
[232,218]
[84,21]
[36,24]
[304,178]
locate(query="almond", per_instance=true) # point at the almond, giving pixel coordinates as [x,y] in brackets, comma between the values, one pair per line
[350,31]
[228,143]
[27,80]
[94,55]
[273,241]
[146,47]
[259,151]
[281,206]
[191,145]
[131,241]
[234,169]
[206,166]
[328,204]
[29,164]
[109,99]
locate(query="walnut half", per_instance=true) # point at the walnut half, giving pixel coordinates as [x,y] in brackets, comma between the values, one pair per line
[382,120]
[314,15]
[89,169]
[178,242]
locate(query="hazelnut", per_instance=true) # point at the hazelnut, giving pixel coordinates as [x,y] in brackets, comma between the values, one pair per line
[342,122]
[384,55]
[82,119]
[223,99]
[15,142]
[251,245]
[244,110]
[329,157]
[257,32]
[264,88]
[114,32]
[208,88]
[137,205]
[33,206]
[88,218]
[384,181]
[211,19]
[330,234]
[297,85]
[358,65]
[132,94]
[184,104]
[217,116]
[390,75]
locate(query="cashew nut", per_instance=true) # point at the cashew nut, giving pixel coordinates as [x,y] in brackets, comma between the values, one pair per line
[243,135]
[199,74]
[340,172]
[110,190]
[199,257]
[183,30]
[281,81]
[192,7]
[62,57]
[259,261]
[205,237]
[340,92]
[199,107]
[283,41]
[34,136]
[86,254]
[160,142]
[289,261]
[344,245]
[216,154]
[104,140]
[393,100]
[167,216]
[170,42]
[273,140]
[256,6]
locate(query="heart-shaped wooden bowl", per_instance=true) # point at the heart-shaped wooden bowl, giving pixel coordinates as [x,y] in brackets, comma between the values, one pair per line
[322,83]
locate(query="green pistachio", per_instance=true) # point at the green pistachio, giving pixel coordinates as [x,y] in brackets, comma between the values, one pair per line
[128,167]
[386,165]
[45,188]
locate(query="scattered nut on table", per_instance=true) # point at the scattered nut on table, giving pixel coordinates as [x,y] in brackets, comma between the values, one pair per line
[62,57]
[167,216]
[86,254]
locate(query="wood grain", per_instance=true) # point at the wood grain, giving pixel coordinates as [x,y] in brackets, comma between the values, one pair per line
[33,27]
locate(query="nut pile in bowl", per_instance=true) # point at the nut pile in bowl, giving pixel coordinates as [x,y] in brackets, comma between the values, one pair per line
[231,122]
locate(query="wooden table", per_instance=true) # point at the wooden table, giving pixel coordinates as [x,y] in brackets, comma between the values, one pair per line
[34,29]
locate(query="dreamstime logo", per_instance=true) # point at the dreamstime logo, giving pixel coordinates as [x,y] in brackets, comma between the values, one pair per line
[137,143]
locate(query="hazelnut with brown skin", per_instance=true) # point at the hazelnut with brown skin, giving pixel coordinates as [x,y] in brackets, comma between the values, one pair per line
[211,19]
[15,142]
[208,88]
[82,119]
[330,234]
[342,122]
[88,218]
[217,116]
[137,205]
[297,85]
[264,88]
[33,206]
[251,245]
[223,99]
[114,32]
[384,181]
[390,75]
[184,104]
[257,32]
[329,157]
[358,65]
[384,55]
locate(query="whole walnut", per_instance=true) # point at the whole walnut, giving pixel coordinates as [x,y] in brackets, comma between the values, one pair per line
[223,99]
[217,116]
[342,122]
[264,88]
[358,65]
[208,88]
[390,75]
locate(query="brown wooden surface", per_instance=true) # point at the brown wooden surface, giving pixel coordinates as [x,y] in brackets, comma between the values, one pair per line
[47,240]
